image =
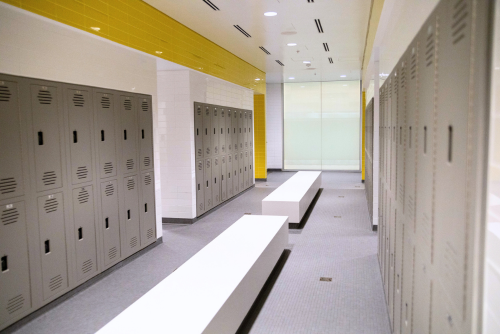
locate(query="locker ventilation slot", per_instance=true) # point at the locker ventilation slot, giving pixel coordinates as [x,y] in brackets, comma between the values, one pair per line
[130,184]
[49,178]
[147,161]
[459,21]
[108,168]
[150,233]
[105,102]
[413,68]
[127,104]
[112,253]
[82,172]
[83,196]
[145,106]
[51,205]
[15,304]
[429,50]
[109,190]
[130,164]
[147,180]
[4,94]
[87,266]
[133,242]
[55,283]
[10,216]
[8,185]
[44,97]
[78,100]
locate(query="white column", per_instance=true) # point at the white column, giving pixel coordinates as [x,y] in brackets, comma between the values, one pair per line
[376,149]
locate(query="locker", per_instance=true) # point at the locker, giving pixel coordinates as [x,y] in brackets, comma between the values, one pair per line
[15,297]
[131,214]
[392,260]
[207,132]
[147,209]
[422,296]
[208,185]
[250,130]
[11,174]
[216,184]
[200,188]
[246,171]
[234,124]
[236,174]
[52,244]
[145,105]
[198,130]
[79,113]
[407,286]
[222,132]
[223,178]
[215,130]
[251,174]
[84,229]
[46,137]
[394,123]
[229,136]
[241,143]
[245,130]
[128,117]
[109,222]
[104,106]
[229,175]
[241,176]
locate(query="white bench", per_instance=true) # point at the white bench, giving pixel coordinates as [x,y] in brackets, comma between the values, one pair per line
[293,197]
[213,291]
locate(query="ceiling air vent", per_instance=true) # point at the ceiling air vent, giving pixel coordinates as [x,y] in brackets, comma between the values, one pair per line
[280,63]
[242,31]
[208,2]
[330,60]
[4,94]
[325,45]
[264,49]
[318,25]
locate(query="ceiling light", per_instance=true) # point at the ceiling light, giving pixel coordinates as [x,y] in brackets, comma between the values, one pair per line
[291,78]
[302,86]
[344,85]
[306,62]
[95,28]
[270,13]
[159,52]
[292,44]
[257,79]
[343,76]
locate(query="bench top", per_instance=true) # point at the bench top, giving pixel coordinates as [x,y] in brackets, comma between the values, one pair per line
[294,188]
[189,298]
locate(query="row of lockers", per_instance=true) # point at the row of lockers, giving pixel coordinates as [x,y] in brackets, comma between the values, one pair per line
[433,121]
[76,187]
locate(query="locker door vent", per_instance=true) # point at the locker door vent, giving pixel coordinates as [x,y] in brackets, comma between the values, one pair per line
[44,97]
[8,185]
[78,100]
[147,161]
[147,180]
[87,266]
[55,283]
[10,216]
[413,66]
[127,104]
[15,304]
[429,49]
[49,178]
[4,94]
[105,102]
[133,242]
[459,21]
[109,190]
[82,172]
[130,184]
[83,196]
[108,168]
[130,164]
[51,205]
[145,106]
[150,233]
[112,253]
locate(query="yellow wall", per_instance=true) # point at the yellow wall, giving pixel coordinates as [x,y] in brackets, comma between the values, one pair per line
[259,104]
[138,25]
[363,136]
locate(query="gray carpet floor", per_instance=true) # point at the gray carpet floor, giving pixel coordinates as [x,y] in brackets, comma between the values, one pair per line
[336,242]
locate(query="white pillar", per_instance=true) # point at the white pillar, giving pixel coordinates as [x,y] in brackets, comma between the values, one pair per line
[376,149]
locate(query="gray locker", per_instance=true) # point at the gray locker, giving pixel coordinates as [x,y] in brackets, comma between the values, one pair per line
[223,178]
[15,297]
[215,130]
[241,139]
[79,112]
[207,132]
[147,209]
[222,132]
[208,185]
[251,173]
[200,188]
[241,171]
[407,286]
[246,171]
[130,213]
[234,124]
[85,236]
[46,137]
[128,117]
[216,184]
[236,174]
[250,130]
[104,116]
[198,130]
[52,244]
[11,174]
[229,175]
[245,130]
[422,296]
[228,130]
[110,223]
[145,106]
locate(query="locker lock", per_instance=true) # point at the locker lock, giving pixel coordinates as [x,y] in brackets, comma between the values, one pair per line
[5,266]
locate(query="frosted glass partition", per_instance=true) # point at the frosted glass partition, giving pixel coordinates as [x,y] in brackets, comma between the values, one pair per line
[321,125]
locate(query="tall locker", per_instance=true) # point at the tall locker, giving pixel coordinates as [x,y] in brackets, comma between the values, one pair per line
[104,116]
[128,117]
[15,297]
[85,236]
[145,107]
[198,130]
[222,131]
[79,114]
[234,124]
[200,187]
[241,143]
[223,178]
[251,174]
[245,130]
[246,171]
[241,170]
[147,209]
[11,175]
[216,184]
[109,222]
[208,184]
[207,132]
[250,130]
[229,176]
[228,131]
[215,130]
[236,174]
[130,214]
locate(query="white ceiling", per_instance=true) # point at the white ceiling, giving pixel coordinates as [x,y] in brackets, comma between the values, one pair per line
[344,24]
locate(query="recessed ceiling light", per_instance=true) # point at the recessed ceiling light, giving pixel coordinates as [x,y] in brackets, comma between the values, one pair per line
[291,78]
[302,86]
[292,44]
[306,62]
[270,13]
[343,76]
[344,85]
[257,79]
[159,52]
[95,28]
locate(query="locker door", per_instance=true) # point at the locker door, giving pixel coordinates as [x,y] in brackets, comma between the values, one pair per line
[145,132]
[246,171]
[198,130]
[229,176]
[251,175]
[208,185]
[216,184]
[148,212]
[408,291]
[200,188]
[207,132]
[131,214]
[245,130]
[241,140]
[250,130]
[228,130]
[52,244]
[223,178]
[241,176]
[222,132]
[45,115]
[104,106]
[85,236]
[15,295]
[128,117]
[236,174]
[79,111]
[110,224]
[234,124]
[215,130]
[11,176]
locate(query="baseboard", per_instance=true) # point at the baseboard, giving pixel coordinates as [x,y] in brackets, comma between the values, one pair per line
[362,181]
[270,170]
[374,228]
[263,180]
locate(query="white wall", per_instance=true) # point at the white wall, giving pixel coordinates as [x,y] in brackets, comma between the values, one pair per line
[34,46]
[274,125]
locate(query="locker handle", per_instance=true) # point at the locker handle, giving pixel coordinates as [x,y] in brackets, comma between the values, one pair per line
[47,246]
[207,184]
[206,131]
[128,214]
[221,131]
[229,175]
[142,133]
[425,139]
[197,132]
[198,186]
[75,137]
[102,135]
[450,143]
[80,233]
[124,134]
[106,222]
[214,130]
[40,138]
[146,207]
[222,178]
[5,267]
[215,180]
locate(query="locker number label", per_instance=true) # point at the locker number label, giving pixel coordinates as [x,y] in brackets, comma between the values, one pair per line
[9,206]
[50,196]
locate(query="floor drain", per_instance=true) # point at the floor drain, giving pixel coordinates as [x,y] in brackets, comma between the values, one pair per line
[341,196]
[337,216]
[247,213]
[325,279]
